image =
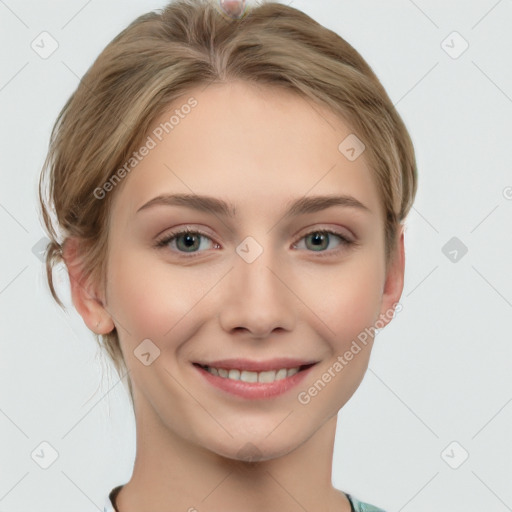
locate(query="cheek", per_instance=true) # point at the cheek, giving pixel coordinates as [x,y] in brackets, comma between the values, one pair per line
[348,297]
[347,305]
[152,299]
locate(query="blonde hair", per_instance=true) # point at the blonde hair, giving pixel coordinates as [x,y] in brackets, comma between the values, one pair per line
[158,58]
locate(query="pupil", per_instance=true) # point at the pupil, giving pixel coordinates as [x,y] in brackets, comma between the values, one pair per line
[318,238]
[189,240]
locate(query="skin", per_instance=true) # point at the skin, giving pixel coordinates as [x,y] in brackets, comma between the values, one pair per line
[259,148]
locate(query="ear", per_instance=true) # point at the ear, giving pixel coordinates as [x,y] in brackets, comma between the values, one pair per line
[87,298]
[394,281]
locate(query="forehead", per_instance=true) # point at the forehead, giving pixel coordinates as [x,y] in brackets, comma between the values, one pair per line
[249,144]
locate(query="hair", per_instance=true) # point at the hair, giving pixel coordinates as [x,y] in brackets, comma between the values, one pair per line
[157,59]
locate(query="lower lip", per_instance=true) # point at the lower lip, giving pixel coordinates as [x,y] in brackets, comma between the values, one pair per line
[254,390]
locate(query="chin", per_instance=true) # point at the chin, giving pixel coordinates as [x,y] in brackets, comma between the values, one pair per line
[247,449]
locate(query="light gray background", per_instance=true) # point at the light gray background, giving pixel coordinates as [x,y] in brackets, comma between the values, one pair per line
[439,373]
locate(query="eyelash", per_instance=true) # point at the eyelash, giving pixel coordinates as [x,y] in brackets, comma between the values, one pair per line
[164,241]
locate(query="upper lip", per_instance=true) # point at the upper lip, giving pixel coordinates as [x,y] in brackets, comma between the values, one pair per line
[258,366]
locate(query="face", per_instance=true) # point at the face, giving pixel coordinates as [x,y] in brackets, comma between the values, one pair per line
[259,281]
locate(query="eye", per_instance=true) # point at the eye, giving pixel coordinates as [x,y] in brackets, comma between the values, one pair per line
[189,241]
[319,240]
[186,240]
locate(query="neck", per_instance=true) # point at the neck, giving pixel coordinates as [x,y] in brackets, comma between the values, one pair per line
[173,474]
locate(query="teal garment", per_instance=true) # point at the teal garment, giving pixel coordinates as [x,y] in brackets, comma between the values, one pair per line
[355,504]
[359,506]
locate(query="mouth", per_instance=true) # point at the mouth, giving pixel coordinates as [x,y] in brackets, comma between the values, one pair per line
[250,376]
[254,380]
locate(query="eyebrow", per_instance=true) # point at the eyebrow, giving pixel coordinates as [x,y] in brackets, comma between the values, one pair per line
[303,205]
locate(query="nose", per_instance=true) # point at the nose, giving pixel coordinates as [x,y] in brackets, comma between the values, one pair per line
[257,297]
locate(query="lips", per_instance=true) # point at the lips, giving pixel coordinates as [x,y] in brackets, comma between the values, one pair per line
[254,380]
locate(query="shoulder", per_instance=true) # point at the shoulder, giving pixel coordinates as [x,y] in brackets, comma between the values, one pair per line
[360,506]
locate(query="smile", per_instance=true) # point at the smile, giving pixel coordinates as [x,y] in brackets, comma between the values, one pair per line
[249,376]
[251,384]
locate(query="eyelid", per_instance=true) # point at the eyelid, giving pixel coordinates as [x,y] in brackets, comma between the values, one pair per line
[338,231]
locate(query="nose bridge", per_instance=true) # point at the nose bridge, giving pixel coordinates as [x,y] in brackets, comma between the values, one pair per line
[257,299]
[253,271]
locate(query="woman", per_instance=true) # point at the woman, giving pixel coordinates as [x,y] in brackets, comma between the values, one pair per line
[230,189]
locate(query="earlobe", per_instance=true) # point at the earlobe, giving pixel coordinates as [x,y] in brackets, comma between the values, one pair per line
[85,295]
[394,281]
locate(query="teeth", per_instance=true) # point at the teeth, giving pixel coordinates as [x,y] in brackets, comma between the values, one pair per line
[269,376]
[247,376]
[234,374]
[281,374]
